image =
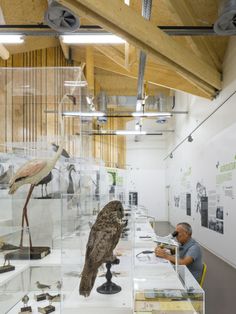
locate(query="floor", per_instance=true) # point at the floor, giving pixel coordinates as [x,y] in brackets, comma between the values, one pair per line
[220,281]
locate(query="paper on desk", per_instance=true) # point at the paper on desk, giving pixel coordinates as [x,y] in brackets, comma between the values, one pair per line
[165,240]
[176,307]
[149,259]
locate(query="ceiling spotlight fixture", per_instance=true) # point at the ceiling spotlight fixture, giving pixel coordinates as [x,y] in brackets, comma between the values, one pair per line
[171,155]
[89,100]
[137,126]
[190,139]
[92,38]
[11,39]
[152,114]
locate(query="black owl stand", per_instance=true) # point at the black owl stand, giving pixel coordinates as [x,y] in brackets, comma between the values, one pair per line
[109,287]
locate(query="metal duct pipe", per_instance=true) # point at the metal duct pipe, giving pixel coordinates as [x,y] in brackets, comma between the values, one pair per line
[141,70]
[147,9]
[60,18]
[226,23]
[102,101]
[146,13]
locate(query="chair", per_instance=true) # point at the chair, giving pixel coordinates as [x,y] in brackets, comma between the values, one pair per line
[204,269]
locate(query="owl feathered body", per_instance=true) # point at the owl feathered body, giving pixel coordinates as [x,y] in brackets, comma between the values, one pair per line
[103,238]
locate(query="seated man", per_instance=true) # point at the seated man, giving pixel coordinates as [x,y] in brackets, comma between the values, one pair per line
[189,251]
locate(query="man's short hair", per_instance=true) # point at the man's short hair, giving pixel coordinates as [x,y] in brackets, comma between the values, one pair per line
[186,227]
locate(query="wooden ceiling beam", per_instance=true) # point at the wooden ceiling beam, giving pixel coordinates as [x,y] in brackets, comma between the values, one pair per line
[90,69]
[146,36]
[154,74]
[65,49]
[187,17]
[112,53]
[4,53]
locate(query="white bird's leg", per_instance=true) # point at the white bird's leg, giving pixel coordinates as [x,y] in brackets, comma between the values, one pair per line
[22,227]
[46,190]
[42,190]
[26,217]
[27,223]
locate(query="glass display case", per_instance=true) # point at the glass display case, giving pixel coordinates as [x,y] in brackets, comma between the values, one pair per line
[46,245]
[78,227]
[159,288]
[40,102]
[11,288]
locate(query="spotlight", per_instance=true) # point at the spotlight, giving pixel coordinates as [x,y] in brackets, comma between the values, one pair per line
[171,155]
[190,139]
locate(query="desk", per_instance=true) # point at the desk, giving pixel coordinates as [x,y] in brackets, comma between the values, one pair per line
[158,289]
[144,235]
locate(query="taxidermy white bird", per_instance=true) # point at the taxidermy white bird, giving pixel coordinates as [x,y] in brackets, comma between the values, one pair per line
[33,171]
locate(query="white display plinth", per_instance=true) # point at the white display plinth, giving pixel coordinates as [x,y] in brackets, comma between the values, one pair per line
[96,303]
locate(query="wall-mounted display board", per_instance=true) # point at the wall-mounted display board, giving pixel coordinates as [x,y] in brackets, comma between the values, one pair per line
[202,191]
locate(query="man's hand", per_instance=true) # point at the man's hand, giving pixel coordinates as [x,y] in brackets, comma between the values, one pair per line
[161,252]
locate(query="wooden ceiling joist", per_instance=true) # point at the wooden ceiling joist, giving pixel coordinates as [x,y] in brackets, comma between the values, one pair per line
[65,49]
[4,53]
[90,70]
[113,54]
[157,75]
[120,19]
[187,17]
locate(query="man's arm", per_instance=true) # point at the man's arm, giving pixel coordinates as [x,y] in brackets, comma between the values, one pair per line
[187,260]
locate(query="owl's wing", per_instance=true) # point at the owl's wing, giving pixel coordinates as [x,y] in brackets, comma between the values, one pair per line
[101,243]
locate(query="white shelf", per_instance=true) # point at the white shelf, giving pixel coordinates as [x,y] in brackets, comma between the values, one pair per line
[52,259]
[8,230]
[34,304]
[6,277]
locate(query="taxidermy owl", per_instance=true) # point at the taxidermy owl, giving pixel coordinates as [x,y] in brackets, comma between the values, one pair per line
[103,238]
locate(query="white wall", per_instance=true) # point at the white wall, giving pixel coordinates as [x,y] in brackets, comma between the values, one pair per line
[214,142]
[146,173]
[200,161]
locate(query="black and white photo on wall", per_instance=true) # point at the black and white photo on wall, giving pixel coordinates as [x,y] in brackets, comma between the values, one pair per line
[188,204]
[204,211]
[133,198]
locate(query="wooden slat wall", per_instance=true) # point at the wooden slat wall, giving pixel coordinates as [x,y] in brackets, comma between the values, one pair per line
[111,148]
[24,119]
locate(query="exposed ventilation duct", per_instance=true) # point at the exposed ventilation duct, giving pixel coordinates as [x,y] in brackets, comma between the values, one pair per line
[226,23]
[159,102]
[60,18]
[146,13]
[102,101]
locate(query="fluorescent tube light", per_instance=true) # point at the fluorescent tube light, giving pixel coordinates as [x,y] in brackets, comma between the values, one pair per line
[151,114]
[75,83]
[92,38]
[83,114]
[125,132]
[11,39]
